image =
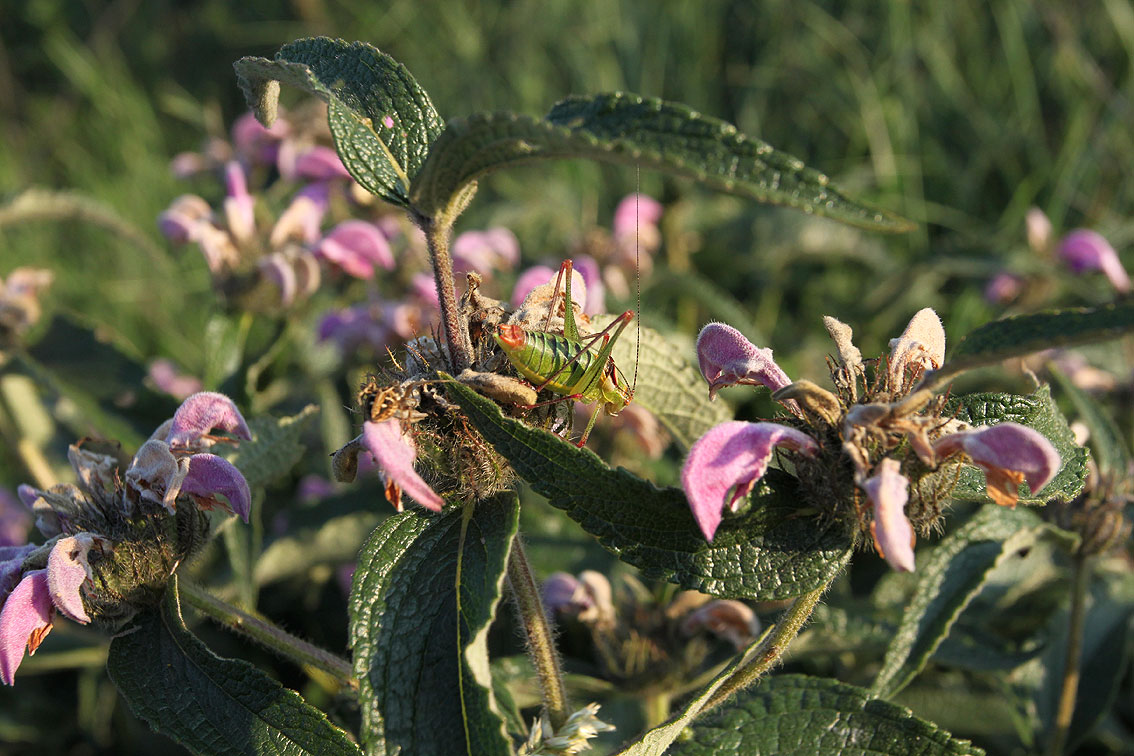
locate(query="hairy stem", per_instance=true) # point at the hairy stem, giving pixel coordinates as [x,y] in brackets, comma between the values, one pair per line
[770,651]
[1066,709]
[283,643]
[437,233]
[541,646]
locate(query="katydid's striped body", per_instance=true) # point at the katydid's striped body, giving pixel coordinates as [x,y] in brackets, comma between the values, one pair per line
[565,367]
[571,365]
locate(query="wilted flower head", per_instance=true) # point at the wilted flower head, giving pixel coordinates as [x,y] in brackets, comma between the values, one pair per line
[125,529]
[572,738]
[724,464]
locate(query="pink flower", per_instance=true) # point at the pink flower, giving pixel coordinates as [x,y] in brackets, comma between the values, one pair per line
[727,358]
[356,247]
[486,251]
[395,452]
[256,143]
[201,414]
[1008,453]
[169,379]
[25,621]
[14,521]
[29,609]
[320,163]
[725,618]
[725,463]
[1003,288]
[893,536]
[537,275]
[1085,250]
[239,206]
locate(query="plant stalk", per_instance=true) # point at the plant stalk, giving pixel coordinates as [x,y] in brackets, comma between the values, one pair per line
[541,645]
[1065,712]
[437,235]
[769,652]
[267,634]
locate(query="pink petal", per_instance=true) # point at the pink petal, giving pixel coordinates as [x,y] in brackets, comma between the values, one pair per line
[179,223]
[724,618]
[155,475]
[14,520]
[356,247]
[727,359]
[1003,288]
[1005,448]
[210,475]
[486,251]
[732,457]
[596,293]
[425,288]
[559,593]
[634,210]
[68,567]
[239,206]
[395,454]
[320,164]
[200,415]
[11,566]
[24,622]
[534,276]
[1085,250]
[922,343]
[1038,229]
[278,269]
[888,489]
[256,143]
[301,220]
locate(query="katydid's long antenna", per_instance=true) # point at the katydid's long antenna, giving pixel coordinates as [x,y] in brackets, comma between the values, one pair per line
[637,277]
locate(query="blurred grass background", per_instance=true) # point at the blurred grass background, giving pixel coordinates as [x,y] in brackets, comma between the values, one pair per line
[958,115]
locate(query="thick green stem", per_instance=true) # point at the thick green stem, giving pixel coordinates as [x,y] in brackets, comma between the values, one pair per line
[655,708]
[437,233]
[267,634]
[1070,690]
[541,645]
[770,651]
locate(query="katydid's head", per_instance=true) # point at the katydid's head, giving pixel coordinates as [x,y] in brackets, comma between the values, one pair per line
[509,337]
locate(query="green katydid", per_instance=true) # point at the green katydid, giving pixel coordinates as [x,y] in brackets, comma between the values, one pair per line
[569,364]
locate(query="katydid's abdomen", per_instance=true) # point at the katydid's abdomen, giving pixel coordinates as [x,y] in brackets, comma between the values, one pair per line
[536,355]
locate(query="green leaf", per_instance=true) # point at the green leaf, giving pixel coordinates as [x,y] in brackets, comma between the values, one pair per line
[274,448]
[1039,412]
[209,704]
[766,553]
[668,385]
[1106,439]
[789,715]
[625,128]
[425,591]
[948,579]
[656,741]
[1025,334]
[365,91]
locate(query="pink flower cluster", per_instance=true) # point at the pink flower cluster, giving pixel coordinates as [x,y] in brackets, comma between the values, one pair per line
[725,463]
[170,465]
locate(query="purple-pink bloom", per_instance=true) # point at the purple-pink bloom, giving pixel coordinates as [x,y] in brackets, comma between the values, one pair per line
[201,414]
[888,490]
[633,211]
[356,247]
[14,520]
[1085,250]
[11,564]
[537,275]
[255,142]
[1008,453]
[596,292]
[210,475]
[1003,288]
[301,220]
[169,379]
[25,621]
[730,458]
[727,358]
[725,618]
[239,206]
[395,452]
[68,567]
[320,163]
[424,287]
[486,251]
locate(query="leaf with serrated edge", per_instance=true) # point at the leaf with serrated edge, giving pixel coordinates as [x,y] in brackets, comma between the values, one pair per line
[274,448]
[766,553]
[1019,335]
[667,385]
[209,704]
[647,132]
[795,715]
[947,579]
[425,590]
[365,90]
[1037,411]
[656,741]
